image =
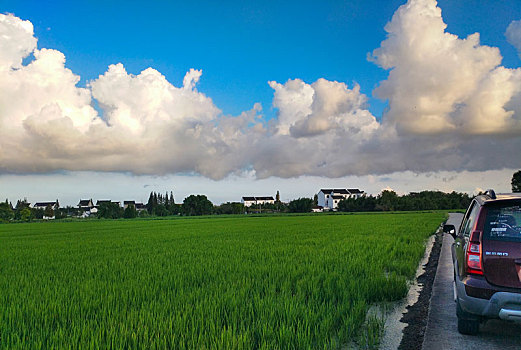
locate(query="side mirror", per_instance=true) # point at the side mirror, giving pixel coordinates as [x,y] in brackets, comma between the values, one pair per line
[450,229]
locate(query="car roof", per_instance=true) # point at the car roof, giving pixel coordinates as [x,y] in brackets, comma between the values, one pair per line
[499,197]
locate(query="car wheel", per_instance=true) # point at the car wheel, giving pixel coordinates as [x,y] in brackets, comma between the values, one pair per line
[467,323]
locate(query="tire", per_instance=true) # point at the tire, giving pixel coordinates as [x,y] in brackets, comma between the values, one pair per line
[468,324]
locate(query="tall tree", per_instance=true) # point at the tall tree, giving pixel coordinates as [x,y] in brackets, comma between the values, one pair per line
[21,205]
[516,181]
[230,208]
[6,213]
[49,211]
[197,205]
[150,203]
[110,211]
[25,214]
[388,200]
[301,205]
[130,212]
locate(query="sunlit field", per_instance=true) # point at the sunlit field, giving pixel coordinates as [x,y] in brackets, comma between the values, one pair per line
[286,282]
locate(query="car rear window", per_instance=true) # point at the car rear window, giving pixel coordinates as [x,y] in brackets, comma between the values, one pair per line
[503,222]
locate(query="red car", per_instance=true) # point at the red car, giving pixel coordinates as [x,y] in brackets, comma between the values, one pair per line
[487,261]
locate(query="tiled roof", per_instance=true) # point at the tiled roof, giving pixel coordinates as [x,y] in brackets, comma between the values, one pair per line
[250,199]
[44,204]
[264,198]
[338,197]
[341,190]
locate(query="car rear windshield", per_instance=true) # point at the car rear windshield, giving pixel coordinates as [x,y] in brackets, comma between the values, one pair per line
[503,222]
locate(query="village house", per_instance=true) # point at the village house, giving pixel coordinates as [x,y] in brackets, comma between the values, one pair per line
[86,208]
[42,205]
[86,204]
[137,206]
[141,207]
[329,198]
[249,201]
[127,203]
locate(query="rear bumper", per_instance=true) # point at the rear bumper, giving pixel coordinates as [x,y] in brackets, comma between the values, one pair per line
[501,304]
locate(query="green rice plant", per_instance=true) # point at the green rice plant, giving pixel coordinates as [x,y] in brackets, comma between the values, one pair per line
[284,282]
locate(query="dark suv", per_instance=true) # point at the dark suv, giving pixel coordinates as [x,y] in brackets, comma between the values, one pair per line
[487,261]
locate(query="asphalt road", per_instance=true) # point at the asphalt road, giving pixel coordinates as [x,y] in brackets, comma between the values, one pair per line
[442,326]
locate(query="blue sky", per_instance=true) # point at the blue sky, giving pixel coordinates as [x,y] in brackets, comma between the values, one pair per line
[241,45]
[448,117]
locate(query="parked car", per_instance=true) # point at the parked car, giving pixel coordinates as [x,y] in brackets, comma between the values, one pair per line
[487,261]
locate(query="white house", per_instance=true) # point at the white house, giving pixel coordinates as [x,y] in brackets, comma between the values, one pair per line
[328,198]
[355,193]
[127,203]
[86,208]
[43,205]
[86,204]
[140,207]
[249,201]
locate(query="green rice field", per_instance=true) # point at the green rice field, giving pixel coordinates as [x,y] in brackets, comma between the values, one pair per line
[280,282]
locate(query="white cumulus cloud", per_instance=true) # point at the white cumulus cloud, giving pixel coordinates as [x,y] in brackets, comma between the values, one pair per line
[315,109]
[440,83]
[513,35]
[148,125]
[452,107]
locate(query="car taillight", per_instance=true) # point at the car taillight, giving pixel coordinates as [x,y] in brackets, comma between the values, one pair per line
[474,258]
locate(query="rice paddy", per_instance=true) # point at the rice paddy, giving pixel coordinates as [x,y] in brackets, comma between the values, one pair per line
[281,282]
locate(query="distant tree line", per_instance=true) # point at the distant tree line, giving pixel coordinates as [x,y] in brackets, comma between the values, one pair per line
[390,201]
[24,213]
[301,205]
[164,205]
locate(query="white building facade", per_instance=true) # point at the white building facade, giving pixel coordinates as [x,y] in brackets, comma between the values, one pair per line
[328,198]
[249,201]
